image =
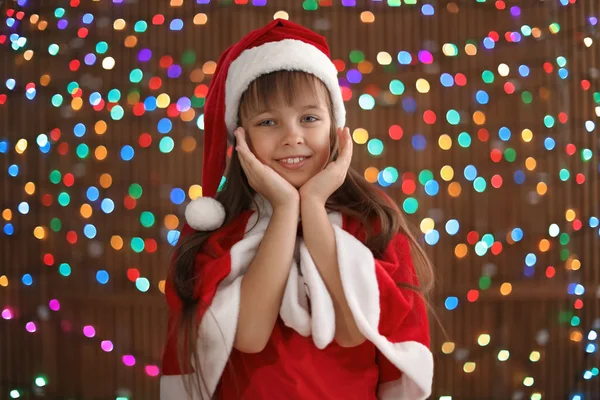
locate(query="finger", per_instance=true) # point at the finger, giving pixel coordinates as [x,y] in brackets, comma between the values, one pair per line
[253,168]
[240,134]
[346,147]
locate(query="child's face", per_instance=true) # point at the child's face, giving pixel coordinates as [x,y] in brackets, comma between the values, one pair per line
[294,139]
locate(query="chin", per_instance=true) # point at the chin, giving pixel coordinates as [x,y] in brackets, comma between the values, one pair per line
[297,183]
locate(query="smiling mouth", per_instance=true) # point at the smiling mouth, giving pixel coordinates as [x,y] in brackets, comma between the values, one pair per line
[293,162]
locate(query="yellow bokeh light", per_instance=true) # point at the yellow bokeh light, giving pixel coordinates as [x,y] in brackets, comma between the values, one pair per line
[530,163]
[209,67]
[100,127]
[536,32]
[471,49]
[541,188]
[570,215]
[28,55]
[176,3]
[30,188]
[21,146]
[483,339]
[454,189]
[188,144]
[535,356]
[445,142]
[503,355]
[479,117]
[7,214]
[119,24]
[171,221]
[360,135]
[281,15]
[597,111]
[105,180]
[76,103]
[449,50]
[544,245]
[86,210]
[367,17]
[200,19]
[116,242]
[527,135]
[447,173]
[163,100]
[42,25]
[427,225]
[371,174]
[422,85]
[448,347]
[528,381]
[195,191]
[44,80]
[39,232]
[161,286]
[130,41]
[34,18]
[3,281]
[469,367]
[460,251]
[365,67]
[574,264]
[384,58]
[588,41]
[505,289]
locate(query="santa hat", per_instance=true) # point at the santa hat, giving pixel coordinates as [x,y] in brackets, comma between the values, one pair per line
[280,45]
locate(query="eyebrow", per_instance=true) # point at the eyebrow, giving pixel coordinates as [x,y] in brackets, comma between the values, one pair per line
[309,106]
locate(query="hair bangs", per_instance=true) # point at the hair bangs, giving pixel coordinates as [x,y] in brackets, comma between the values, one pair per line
[278,89]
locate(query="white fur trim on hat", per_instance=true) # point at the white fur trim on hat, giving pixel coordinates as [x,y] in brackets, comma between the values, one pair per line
[287,54]
[205,214]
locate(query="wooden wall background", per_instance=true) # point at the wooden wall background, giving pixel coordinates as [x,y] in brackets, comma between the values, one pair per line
[535,316]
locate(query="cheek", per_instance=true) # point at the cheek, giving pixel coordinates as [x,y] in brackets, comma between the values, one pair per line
[323,151]
[262,148]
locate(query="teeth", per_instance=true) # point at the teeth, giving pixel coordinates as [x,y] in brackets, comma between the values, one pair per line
[293,160]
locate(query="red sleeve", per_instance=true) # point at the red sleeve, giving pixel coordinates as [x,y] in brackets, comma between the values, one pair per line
[390,314]
[212,264]
[403,312]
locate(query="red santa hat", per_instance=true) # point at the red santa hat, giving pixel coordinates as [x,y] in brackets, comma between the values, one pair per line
[280,45]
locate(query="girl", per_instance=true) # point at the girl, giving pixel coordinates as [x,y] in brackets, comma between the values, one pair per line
[295,280]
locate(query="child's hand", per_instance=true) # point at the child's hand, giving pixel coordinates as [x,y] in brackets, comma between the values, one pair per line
[264,179]
[322,185]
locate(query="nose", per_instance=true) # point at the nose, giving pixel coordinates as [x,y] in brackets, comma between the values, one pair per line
[293,135]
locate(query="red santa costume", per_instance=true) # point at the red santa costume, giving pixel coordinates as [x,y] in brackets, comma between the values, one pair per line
[301,359]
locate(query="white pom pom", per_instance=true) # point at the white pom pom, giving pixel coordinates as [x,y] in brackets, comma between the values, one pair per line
[205,214]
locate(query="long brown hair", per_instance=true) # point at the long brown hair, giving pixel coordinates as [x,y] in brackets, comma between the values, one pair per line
[356,198]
